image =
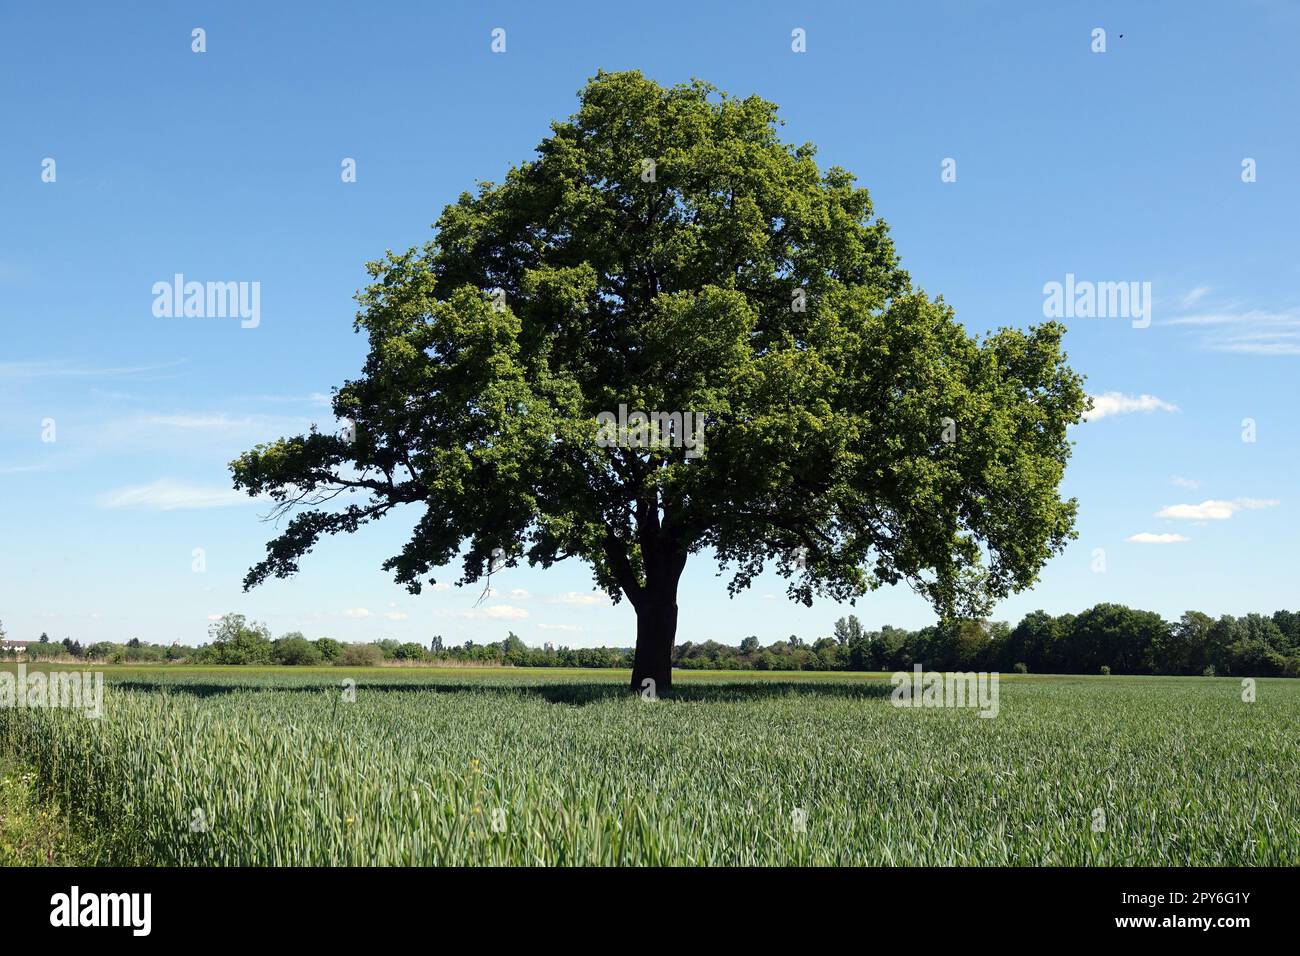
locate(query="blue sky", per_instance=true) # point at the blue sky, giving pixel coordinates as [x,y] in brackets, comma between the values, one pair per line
[1122,166]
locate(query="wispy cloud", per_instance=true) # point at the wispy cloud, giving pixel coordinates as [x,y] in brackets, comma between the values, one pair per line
[168,495]
[1189,483]
[356,613]
[1214,510]
[1245,331]
[198,421]
[504,612]
[1117,403]
[559,627]
[319,399]
[1147,537]
[493,612]
[64,368]
[579,598]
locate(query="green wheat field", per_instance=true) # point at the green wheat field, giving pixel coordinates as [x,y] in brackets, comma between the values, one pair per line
[248,766]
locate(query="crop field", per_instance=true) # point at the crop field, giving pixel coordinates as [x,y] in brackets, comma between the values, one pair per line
[241,766]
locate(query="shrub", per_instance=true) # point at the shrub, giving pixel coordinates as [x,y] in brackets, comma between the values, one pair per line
[1105,670]
[360,655]
[294,649]
[236,641]
[328,647]
[1020,668]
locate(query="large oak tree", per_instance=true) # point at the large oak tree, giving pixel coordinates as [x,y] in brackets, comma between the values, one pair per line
[666,251]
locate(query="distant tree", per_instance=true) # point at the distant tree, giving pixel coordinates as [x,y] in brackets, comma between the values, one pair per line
[1185,648]
[409,651]
[294,649]
[328,647]
[749,644]
[1288,623]
[1117,636]
[236,641]
[848,630]
[1225,633]
[360,655]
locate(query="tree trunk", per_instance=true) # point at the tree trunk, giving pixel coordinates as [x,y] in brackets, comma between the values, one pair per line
[656,631]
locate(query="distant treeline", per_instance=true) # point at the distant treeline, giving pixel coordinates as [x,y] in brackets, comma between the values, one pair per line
[1106,639]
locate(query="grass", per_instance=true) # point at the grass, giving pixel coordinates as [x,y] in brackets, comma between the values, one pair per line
[270,766]
[32,832]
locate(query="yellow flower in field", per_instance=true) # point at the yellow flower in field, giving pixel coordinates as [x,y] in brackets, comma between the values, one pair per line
[348,821]
[478,809]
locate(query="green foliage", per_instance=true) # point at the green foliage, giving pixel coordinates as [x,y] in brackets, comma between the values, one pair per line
[236,641]
[740,282]
[360,655]
[329,648]
[34,832]
[293,649]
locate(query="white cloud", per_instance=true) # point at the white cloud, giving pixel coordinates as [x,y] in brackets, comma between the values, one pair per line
[62,368]
[441,586]
[1193,296]
[356,612]
[559,627]
[505,612]
[1246,331]
[1146,537]
[1255,504]
[579,598]
[205,427]
[1189,483]
[197,421]
[519,594]
[168,495]
[1117,403]
[1214,510]
[396,616]
[494,612]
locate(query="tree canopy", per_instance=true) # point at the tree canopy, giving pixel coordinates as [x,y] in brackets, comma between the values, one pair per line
[666,251]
